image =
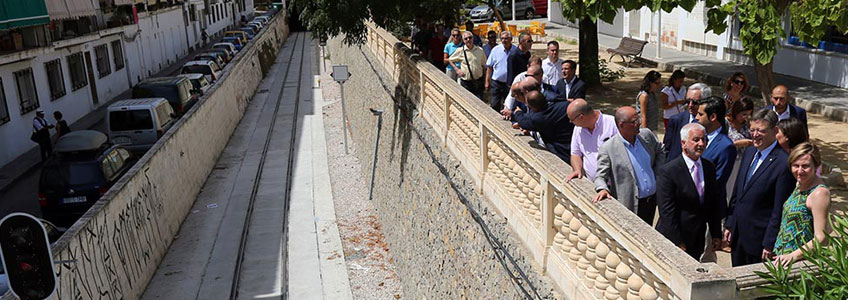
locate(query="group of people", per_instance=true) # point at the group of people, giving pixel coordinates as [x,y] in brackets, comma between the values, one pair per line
[753,187]
[41,132]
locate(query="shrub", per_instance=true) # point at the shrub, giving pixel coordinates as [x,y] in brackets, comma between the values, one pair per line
[607,74]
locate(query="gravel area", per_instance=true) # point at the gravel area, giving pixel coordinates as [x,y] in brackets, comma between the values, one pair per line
[369,262]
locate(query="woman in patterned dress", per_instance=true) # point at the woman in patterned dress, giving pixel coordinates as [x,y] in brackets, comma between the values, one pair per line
[805,214]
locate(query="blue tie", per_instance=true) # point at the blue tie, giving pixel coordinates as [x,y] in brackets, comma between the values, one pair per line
[753,167]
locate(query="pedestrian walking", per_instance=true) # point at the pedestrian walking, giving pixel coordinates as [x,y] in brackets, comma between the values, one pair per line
[41,134]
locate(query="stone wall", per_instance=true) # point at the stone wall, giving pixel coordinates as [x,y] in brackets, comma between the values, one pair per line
[119,243]
[439,250]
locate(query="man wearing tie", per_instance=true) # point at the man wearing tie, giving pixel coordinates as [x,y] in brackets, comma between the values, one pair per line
[763,184]
[671,141]
[688,204]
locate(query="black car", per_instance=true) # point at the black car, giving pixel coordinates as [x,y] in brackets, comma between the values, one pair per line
[224,54]
[176,89]
[85,167]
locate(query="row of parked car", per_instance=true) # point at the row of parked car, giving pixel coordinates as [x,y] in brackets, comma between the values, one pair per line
[87,162]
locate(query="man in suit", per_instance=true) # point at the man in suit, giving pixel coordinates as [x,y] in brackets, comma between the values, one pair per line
[627,163]
[550,120]
[780,105]
[719,150]
[763,185]
[688,204]
[570,87]
[671,140]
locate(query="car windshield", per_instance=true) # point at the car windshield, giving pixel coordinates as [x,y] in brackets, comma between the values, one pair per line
[233,40]
[168,92]
[225,47]
[84,174]
[127,120]
[205,70]
[60,176]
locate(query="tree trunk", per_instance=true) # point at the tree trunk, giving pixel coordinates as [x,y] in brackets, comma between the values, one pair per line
[498,16]
[765,80]
[588,57]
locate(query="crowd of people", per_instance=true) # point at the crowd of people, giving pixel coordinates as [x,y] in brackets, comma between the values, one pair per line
[753,187]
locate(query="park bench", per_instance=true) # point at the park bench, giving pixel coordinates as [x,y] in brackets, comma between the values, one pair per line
[629,47]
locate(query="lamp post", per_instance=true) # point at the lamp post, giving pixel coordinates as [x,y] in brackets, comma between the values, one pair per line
[340,75]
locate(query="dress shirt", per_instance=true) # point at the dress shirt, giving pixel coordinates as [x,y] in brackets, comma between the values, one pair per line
[690,165]
[782,116]
[712,136]
[499,61]
[568,85]
[552,71]
[476,58]
[763,155]
[586,144]
[509,102]
[640,160]
[39,123]
[488,49]
[672,97]
[450,48]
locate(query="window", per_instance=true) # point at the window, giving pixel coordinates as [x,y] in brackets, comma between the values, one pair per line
[55,78]
[118,54]
[192,12]
[4,110]
[26,90]
[102,55]
[77,69]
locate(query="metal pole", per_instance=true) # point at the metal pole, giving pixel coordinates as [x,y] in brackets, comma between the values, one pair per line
[344,118]
[659,33]
[379,114]
[513,10]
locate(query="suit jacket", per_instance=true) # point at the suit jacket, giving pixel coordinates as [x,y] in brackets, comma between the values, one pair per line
[615,172]
[578,89]
[683,217]
[795,112]
[553,125]
[671,140]
[722,154]
[753,216]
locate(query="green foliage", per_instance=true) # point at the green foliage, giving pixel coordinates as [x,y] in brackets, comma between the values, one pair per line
[607,74]
[829,279]
[811,19]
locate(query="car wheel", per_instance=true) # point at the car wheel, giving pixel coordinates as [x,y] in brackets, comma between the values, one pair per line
[529,14]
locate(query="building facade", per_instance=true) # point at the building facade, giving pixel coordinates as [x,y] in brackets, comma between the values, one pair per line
[75,60]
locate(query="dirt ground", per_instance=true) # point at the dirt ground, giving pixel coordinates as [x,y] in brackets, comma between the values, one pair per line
[824,132]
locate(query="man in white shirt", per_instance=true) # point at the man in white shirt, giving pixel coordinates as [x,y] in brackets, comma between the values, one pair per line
[509,102]
[552,65]
[41,134]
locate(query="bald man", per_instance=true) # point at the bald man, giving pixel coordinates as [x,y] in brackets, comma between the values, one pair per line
[627,164]
[532,71]
[550,120]
[780,105]
[592,129]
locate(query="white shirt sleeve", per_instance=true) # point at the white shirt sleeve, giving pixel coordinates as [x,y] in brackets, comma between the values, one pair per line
[509,102]
[37,125]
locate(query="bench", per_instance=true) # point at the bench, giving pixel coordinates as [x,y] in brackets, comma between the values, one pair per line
[629,47]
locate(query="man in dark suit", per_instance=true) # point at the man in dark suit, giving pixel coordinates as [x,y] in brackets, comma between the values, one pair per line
[688,204]
[570,87]
[671,140]
[763,185]
[549,119]
[780,105]
[720,150]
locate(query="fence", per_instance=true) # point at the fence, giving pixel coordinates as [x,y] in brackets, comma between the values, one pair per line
[589,250]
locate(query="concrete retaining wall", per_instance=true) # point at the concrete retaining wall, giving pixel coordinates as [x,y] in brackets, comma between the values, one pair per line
[439,251]
[119,243]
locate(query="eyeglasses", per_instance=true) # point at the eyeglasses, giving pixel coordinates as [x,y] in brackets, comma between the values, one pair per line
[570,118]
[454,35]
[468,38]
[739,82]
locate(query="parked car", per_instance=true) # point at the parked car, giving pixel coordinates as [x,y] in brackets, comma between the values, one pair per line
[263,19]
[209,56]
[84,168]
[235,41]
[222,53]
[239,34]
[525,8]
[209,68]
[138,123]
[199,84]
[256,24]
[249,31]
[176,89]
[226,46]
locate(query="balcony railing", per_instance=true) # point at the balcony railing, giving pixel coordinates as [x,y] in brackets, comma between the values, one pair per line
[589,250]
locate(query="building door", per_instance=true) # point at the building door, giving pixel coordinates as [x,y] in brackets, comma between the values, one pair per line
[92,83]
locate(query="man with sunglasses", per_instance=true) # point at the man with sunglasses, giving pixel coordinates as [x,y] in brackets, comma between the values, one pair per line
[452,45]
[780,105]
[491,42]
[497,70]
[671,141]
[472,64]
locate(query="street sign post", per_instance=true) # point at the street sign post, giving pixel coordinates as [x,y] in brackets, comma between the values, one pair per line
[340,75]
[27,260]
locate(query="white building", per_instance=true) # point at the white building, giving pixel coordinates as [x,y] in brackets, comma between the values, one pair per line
[53,68]
[827,63]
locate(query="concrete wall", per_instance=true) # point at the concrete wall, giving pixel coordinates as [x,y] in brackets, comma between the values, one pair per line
[439,251]
[120,241]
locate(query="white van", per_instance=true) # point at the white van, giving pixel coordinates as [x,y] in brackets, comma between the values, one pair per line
[138,123]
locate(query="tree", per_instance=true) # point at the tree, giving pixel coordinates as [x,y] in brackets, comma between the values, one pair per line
[587,13]
[762,27]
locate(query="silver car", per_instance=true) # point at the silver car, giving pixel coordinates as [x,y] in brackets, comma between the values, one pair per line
[482,13]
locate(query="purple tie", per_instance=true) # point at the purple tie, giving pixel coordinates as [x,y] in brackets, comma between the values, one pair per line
[699,184]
